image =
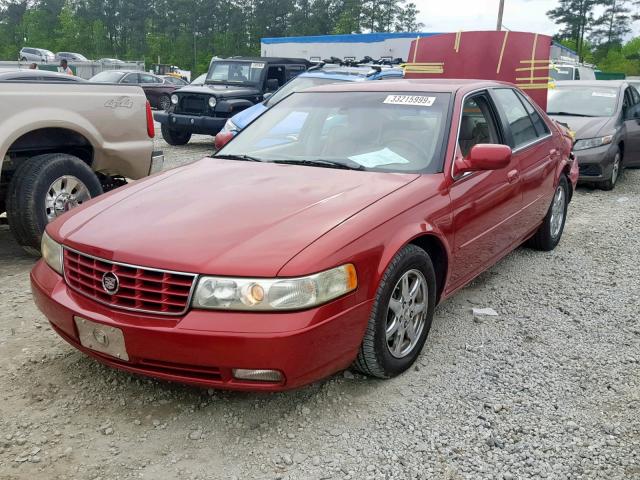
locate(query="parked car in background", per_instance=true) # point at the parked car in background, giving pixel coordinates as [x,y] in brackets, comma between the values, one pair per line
[232,85]
[65,141]
[570,71]
[270,266]
[28,54]
[71,57]
[157,90]
[37,76]
[178,82]
[315,76]
[605,116]
[199,80]
[110,60]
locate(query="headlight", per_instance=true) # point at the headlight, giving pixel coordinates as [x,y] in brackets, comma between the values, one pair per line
[51,253]
[174,99]
[260,294]
[229,126]
[212,102]
[593,142]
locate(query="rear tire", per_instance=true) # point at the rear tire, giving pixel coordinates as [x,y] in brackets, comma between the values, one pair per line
[30,194]
[175,137]
[399,322]
[550,232]
[616,171]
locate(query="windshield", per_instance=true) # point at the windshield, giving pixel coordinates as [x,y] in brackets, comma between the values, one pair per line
[583,101]
[235,72]
[296,85]
[111,76]
[562,73]
[363,130]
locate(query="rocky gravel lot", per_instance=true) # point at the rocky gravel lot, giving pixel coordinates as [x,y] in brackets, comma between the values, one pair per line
[548,388]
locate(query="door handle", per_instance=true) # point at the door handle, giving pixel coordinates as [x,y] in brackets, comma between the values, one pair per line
[513,176]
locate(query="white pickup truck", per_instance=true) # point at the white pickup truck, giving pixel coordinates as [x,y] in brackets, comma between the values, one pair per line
[62,143]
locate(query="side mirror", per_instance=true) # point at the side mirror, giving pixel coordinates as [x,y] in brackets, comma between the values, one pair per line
[272,85]
[484,156]
[222,139]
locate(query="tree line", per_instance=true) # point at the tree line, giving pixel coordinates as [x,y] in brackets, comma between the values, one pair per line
[598,30]
[186,33]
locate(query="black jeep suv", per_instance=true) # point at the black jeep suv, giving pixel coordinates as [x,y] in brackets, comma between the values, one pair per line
[232,84]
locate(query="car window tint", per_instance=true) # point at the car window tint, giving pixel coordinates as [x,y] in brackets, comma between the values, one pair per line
[519,121]
[146,78]
[634,95]
[541,127]
[131,78]
[476,124]
[577,74]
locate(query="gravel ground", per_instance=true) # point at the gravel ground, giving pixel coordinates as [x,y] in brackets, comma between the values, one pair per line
[548,388]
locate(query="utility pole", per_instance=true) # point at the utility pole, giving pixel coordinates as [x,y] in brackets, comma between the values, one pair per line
[500,11]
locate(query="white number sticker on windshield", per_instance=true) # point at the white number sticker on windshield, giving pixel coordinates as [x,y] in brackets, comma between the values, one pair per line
[604,94]
[257,65]
[416,100]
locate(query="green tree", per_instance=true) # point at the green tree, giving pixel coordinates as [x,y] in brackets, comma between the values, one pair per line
[576,19]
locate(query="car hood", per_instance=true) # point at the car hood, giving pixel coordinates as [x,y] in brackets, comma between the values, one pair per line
[223,217]
[221,90]
[248,115]
[585,127]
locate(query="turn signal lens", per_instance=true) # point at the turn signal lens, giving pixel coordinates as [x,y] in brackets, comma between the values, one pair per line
[222,293]
[272,376]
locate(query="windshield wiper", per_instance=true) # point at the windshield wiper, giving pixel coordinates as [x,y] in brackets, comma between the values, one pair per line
[569,114]
[246,158]
[323,163]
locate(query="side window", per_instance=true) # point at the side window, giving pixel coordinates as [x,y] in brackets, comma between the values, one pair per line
[294,71]
[477,124]
[541,128]
[146,78]
[577,74]
[131,78]
[277,72]
[519,121]
[635,98]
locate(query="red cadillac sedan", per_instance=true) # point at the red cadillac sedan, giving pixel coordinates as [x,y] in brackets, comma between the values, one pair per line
[319,238]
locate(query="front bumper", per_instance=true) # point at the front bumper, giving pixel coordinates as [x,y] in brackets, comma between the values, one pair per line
[191,123]
[202,347]
[595,163]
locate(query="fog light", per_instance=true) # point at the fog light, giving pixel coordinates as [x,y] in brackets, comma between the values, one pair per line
[257,375]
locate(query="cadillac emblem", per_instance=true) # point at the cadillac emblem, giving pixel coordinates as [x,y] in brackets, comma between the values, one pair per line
[110,283]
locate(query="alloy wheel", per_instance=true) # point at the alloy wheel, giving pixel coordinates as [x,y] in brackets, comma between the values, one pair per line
[65,193]
[558,210]
[406,314]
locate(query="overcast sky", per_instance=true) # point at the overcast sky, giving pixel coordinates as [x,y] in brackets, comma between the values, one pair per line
[521,15]
[454,15]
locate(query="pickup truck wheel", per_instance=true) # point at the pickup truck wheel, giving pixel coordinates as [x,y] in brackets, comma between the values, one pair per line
[165,102]
[43,188]
[401,315]
[550,232]
[175,137]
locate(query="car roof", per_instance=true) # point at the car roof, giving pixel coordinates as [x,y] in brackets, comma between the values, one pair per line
[591,83]
[34,73]
[412,85]
[264,60]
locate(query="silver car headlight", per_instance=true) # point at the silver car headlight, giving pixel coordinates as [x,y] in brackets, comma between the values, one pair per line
[51,253]
[229,126]
[174,99]
[268,294]
[212,102]
[592,142]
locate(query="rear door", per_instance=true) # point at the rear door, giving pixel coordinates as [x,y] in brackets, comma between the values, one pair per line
[534,154]
[484,204]
[631,118]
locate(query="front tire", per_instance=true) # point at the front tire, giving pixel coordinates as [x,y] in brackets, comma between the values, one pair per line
[616,170]
[43,188]
[401,315]
[548,235]
[175,137]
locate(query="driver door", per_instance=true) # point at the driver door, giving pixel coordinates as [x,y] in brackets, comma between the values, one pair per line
[631,118]
[485,204]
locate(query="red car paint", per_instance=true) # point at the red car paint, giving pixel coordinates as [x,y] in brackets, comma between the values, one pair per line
[245,219]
